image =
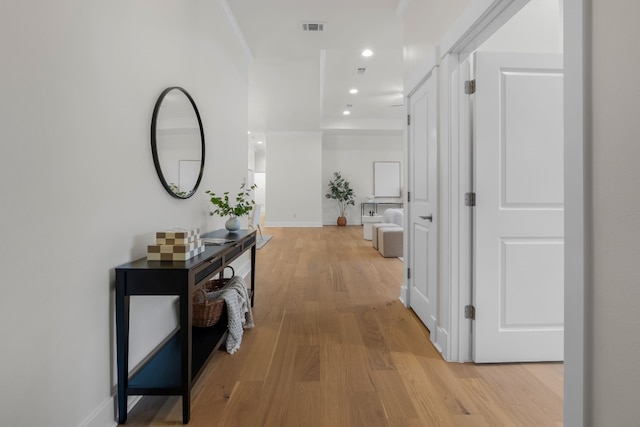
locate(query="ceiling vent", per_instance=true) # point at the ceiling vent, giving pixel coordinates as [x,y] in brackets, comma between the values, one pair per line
[360,70]
[312,26]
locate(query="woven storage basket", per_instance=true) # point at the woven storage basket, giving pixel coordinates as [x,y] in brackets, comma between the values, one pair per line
[207,312]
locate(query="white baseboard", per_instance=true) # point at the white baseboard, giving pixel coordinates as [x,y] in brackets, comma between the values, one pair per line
[328,223]
[242,266]
[103,416]
[403,295]
[107,414]
[442,342]
[293,224]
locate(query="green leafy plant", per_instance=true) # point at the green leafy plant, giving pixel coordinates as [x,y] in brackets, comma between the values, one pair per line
[341,192]
[224,207]
[174,188]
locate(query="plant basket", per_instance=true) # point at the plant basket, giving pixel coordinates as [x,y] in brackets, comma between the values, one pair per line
[207,310]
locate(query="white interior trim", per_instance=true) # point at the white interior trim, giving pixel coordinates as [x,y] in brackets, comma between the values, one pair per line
[104,414]
[420,74]
[577,375]
[404,289]
[459,233]
[295,224]
[481,19]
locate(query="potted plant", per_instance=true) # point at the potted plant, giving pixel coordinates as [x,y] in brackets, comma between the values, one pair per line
[342,193]
[224,207]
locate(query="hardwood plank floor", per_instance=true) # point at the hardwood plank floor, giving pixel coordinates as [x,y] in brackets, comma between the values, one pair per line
[333,346]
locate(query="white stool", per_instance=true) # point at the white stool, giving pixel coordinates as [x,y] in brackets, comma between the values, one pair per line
[367,224]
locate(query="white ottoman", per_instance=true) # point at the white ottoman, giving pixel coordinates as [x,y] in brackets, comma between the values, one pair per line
[367,224]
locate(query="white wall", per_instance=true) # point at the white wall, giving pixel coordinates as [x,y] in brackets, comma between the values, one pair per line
[536,28]
[251,158]
[425,22]
[257,164]
[81,196]
[614,233]
[294,165]
[261,161]
[353,155]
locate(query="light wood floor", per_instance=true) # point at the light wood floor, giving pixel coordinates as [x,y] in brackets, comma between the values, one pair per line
[333,346]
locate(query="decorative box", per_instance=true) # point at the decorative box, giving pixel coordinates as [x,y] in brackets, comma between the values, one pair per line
[174,252]
[177,236]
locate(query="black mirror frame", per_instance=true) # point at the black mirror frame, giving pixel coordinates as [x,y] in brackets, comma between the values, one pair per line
[154,145]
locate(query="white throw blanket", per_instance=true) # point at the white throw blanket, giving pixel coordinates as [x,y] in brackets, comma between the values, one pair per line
[239,314]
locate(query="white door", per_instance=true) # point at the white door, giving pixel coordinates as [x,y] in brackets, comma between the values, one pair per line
[422,218]
[518,218]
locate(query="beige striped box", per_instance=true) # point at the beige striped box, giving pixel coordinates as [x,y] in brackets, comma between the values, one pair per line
[177,236]
[174,252]
[177,241]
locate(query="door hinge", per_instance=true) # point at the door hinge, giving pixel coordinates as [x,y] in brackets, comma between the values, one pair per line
[408,119]
[469,312]
[408,196]
[408,273]
[470,199]
[470,87]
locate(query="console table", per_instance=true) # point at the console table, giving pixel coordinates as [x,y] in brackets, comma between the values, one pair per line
[374,206]
[175,364]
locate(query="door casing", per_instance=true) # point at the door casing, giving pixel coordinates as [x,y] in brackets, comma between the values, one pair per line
[481,19]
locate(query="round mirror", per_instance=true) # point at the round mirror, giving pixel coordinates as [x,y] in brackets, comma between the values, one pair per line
[177,142]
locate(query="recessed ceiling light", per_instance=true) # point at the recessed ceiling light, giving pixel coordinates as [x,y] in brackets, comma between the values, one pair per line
[346,112]
[367,53]
[259,142]
[248,132]
[353,91]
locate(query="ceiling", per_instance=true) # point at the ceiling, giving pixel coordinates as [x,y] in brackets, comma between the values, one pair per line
[300,81]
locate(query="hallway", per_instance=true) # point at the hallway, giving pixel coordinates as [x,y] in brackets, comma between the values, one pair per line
[333,346]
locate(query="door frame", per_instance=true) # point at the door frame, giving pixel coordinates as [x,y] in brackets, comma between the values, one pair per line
[481,19]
